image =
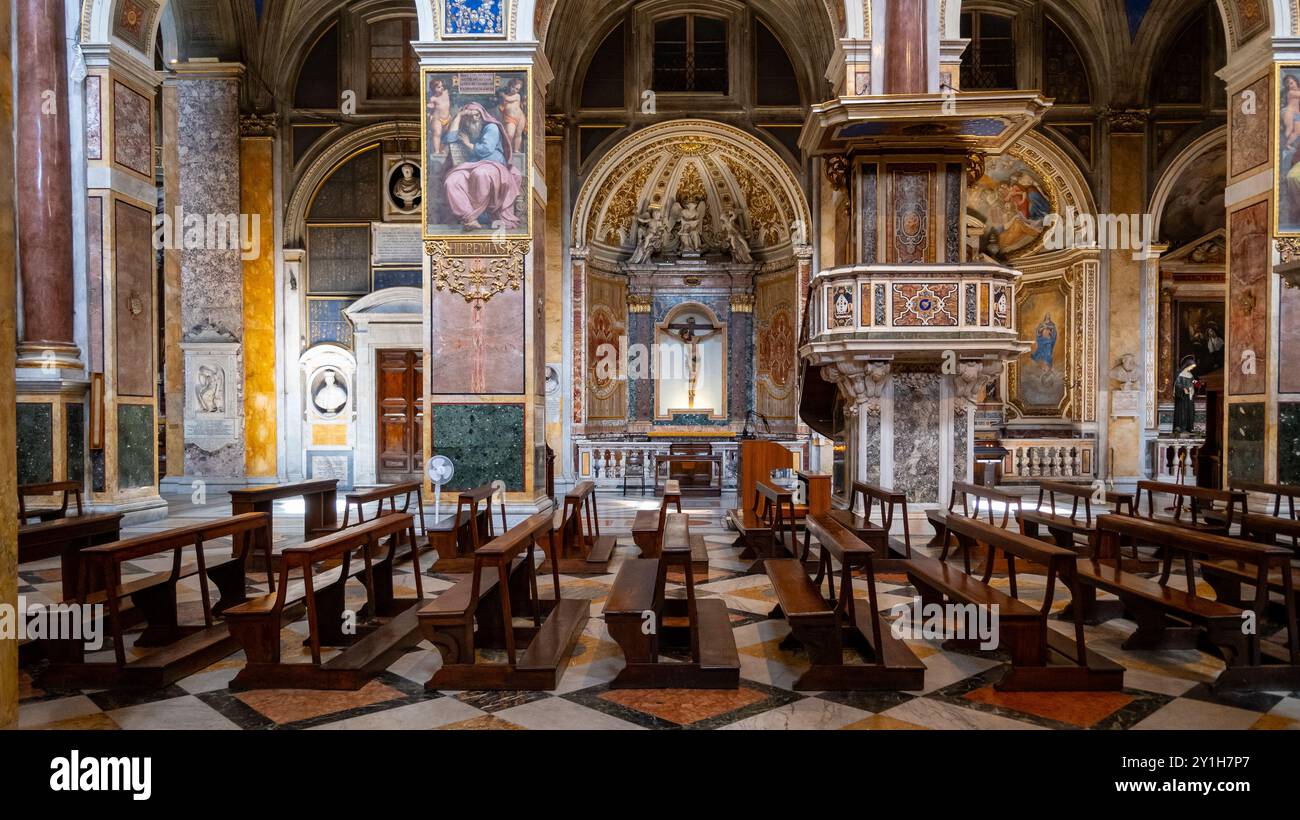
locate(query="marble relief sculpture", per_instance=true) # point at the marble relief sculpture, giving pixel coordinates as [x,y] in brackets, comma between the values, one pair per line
[1126,372]
[210,389]
[690,233]
[652,232]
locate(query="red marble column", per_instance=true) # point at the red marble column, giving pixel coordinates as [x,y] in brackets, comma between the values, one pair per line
[905,64]
[44,182]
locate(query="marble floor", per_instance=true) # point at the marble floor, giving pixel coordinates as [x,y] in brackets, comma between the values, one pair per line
[1163,690]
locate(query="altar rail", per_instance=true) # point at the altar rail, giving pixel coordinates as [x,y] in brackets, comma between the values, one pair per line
[1049,458]
[605,462]
[1174,459]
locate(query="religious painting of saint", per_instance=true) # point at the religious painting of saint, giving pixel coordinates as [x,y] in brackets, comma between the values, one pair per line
[1010,202]
[1200,335]
[476,145]
[1287,171]
[1039,385]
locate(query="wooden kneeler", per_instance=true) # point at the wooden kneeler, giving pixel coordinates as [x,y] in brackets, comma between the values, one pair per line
[642,620]
[825,626]
[479,612]
[648,529]
[577,545]
[372,649]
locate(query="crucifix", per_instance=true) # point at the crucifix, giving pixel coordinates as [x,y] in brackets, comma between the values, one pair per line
[691,333]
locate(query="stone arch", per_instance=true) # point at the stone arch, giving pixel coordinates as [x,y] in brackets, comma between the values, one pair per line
[649,166]
[338,152]
[1187,159]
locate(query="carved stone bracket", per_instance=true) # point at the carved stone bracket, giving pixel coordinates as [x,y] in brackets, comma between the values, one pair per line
[861,383]
[971,377]
[460,267]
[258,125]
[1128,120]
[837,172]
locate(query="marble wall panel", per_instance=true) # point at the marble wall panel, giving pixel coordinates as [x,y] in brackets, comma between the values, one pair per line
[211,277]
[476,347]
[95,282]
[132,130]
[774,341]
[871,421]
[484,441]
[133,272]
[1288,443]
[606,323]
[1248,270]
[916,433]
[75,440]
[1248,143]
[135,451]
[94,119]
[870,239]
[35,430]
[1246,441]
[1288,340]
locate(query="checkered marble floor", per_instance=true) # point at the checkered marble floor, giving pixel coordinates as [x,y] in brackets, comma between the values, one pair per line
[1163,690]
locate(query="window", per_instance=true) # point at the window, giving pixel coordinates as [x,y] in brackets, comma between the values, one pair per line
[990,59]
[775,75]
[690,55]
[603,85]
[1065,78]
[392,69]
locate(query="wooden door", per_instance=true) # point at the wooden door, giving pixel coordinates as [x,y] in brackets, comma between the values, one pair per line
[400,439]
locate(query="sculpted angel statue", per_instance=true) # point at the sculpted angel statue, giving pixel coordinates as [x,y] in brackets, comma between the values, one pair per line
[690,234]
[734,239]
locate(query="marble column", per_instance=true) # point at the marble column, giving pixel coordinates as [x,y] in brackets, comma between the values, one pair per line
[211,270]
[44,175]
[8,443]
[905,35]
[1123,452]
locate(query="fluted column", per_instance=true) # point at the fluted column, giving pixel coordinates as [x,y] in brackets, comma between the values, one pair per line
[43,174]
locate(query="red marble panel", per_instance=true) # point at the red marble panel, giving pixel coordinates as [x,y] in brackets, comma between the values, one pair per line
[476,347]
[1248,270]
[133,274]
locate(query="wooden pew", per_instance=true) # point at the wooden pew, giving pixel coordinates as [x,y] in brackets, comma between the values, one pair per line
[824,626]
[479,611]
[319,496]
[642,620]
[1197,502]
[457,536]
[648,529]
[576,544]
[887,550]
[182,649]
[961,491]
[1290,492]
[768,531]
[66,488]
[1172,618]
[1041,659]
[66,538]
[1070,531]
[256,624]
[1267,529]
[406,490]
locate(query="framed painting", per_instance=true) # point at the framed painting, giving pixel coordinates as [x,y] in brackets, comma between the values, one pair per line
[476,145]
[1286,172]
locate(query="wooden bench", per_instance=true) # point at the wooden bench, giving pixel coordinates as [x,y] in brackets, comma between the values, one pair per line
[768,530]
[1267,529]
[370,649]
[1041,658]
[320,511]
[181,649]
[67,489]
[1197,502]
[1171,618]
[824,626]
[576,544]
[479,611]
[648,529]
[66,538]
[1071,532]
[455,537]
[865,496]
[961,492]
[409,491]
[1290,492]
[642,620]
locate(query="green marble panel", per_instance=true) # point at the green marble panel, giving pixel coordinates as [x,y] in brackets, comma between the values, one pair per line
[35,443]
[1246,441]
[76,441]
[484,441]
[1288,443]
[135,433]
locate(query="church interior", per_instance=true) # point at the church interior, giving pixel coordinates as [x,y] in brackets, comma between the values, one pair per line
[620,364]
